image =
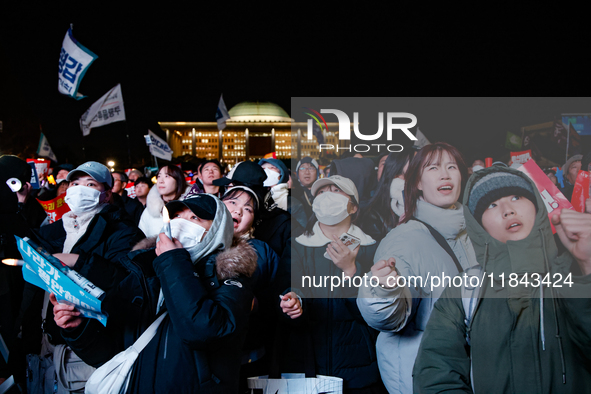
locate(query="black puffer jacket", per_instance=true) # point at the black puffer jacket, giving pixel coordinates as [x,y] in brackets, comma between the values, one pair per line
[341,342]
[108,238]
[197,345]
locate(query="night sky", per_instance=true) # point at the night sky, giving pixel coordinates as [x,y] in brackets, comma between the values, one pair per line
[175,70]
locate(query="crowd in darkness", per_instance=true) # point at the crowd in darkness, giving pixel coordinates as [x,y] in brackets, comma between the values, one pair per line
[212,263]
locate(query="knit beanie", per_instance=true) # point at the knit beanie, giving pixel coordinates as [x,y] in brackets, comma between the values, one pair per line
[497,185]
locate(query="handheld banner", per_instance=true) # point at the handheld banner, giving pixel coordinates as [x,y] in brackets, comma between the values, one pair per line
[581,191]
[34,177]
[553,198]
[130,189]
[41,166]
[55,208]
[107,109]
[159,147]
[50,274]
[520,157]
[74,61]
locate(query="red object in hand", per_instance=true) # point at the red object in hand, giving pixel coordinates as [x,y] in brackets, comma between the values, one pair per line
[488,162]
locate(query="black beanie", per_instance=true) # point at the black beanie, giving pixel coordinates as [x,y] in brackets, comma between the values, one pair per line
[494,186]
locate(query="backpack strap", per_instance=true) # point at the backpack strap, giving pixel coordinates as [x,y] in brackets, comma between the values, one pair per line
[442,242]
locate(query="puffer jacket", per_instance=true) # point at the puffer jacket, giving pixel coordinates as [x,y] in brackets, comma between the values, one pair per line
[197,345]
[401,314]
[514,347]
[342,344]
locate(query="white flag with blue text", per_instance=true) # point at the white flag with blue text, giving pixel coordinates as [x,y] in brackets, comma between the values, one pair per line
[74,60]
[107,109]
[222,114]
[44,149]
[158,147]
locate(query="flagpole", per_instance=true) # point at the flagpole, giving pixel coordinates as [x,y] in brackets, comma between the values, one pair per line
[128,144]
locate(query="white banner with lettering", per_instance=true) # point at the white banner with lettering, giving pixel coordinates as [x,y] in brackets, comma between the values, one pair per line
[107,109]
[159,147]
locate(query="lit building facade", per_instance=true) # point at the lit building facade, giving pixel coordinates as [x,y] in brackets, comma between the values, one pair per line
[254,130]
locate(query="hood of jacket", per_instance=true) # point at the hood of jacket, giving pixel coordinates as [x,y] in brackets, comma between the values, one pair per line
[530,254]
[239,259]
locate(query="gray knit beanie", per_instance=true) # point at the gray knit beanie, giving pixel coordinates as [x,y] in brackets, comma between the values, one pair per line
[497,185]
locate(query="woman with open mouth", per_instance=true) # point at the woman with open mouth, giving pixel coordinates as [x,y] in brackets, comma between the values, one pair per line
[431,242]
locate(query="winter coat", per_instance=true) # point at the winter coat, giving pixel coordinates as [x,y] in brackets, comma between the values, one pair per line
[197,345]
[342,344]
[514,348]
[132,206]
[401,314]
[109,236]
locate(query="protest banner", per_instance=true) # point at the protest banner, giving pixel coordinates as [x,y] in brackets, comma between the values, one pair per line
[55,208]
[130,189]
[520,157]
[40,170]
[74,61]
[44,149]
[581,191]
[34,177]
[69,287]
[553,198]
[107,109]
[158,147]
[581,122]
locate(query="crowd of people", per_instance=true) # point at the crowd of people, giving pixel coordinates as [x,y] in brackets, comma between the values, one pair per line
[215,264]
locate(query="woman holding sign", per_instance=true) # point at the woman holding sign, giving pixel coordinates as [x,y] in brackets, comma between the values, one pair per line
[328,331]
[432,241]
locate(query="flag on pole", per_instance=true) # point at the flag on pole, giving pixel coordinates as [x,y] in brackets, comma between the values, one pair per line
[107,109]
[74,61]
[222,114]
[158,147]
[44,149]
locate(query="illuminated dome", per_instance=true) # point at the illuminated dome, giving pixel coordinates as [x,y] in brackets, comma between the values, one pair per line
[249,111]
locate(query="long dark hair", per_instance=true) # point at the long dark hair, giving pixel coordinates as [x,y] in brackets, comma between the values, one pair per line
[426,156]
[380,203]
[178,176]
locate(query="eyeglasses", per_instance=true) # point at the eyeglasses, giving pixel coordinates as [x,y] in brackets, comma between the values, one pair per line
[307,169]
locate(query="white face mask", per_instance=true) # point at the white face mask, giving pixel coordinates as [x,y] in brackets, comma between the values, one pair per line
[188,233]
[330,208]
[272,177]
[82,199]
[397,202]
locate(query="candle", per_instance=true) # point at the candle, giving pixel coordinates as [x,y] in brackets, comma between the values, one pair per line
[166,219]
[13,262]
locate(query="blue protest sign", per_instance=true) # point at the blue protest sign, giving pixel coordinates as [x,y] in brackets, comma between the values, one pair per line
[48,273]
